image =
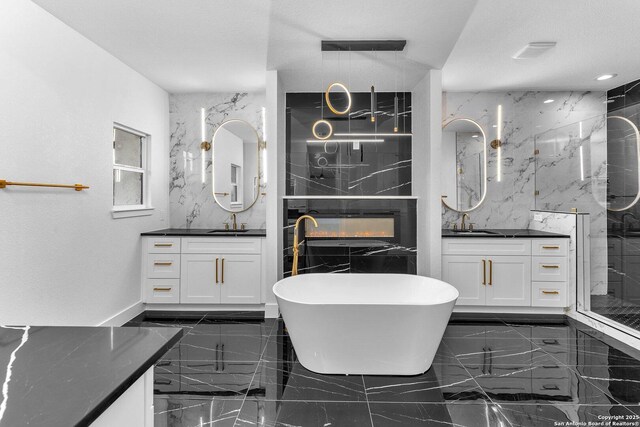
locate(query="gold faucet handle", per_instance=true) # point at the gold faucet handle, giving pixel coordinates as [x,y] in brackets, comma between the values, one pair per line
[226,225]
[243,226]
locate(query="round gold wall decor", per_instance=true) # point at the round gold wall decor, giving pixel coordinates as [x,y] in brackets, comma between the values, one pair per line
[322,122]
[331,107]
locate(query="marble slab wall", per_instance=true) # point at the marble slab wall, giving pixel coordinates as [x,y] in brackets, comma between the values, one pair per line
[192,202]
[550,180]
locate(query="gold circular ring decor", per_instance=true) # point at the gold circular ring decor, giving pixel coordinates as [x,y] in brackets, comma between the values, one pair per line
[315,125]
[326,97]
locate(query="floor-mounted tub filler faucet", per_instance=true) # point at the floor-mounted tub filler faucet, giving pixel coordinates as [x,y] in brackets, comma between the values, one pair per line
[296,250]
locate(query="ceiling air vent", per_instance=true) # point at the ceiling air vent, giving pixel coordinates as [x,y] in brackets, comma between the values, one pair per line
[533,50]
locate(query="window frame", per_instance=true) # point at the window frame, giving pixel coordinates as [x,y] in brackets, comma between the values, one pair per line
[146,208]
[237,185]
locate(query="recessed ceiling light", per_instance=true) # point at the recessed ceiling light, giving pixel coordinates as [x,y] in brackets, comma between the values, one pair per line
[548,101]
[605,77]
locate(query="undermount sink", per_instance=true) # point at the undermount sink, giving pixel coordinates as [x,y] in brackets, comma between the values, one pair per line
[475,232]
[224,230]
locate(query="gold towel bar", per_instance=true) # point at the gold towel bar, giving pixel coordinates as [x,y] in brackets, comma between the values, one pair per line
[77,187]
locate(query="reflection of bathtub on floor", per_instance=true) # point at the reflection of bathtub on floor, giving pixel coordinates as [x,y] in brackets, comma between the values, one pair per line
[316,250]
[374,324]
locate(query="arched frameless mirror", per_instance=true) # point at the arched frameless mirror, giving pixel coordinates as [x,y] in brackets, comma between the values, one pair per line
[623,164]
[464,165]
[236,165]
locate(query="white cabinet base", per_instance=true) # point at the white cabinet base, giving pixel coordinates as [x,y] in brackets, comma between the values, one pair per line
[509,273]
[133,408]
[181,273]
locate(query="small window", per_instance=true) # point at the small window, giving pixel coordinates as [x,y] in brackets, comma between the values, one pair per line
[235,182]
[129,169]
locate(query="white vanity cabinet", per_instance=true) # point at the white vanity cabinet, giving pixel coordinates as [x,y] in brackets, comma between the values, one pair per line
[220,278]
[203,270]
[509,272]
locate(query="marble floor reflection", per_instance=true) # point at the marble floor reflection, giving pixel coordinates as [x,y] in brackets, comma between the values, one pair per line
[238,370]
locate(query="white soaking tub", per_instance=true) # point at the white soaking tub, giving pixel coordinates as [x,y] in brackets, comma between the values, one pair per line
[373,324]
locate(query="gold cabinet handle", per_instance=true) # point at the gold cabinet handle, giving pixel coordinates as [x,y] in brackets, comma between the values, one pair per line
[216,270]
[484,272]
[550,266]
[490,272]
[550,292]
[222,270]
[551,247]
[162,289]
[162,263]
[160,245]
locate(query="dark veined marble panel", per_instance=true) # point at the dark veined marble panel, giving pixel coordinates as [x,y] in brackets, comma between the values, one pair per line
[381,165]
[361,246]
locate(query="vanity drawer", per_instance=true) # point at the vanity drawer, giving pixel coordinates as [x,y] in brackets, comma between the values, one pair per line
[221,245]
[163,245]
[549,294]
[159,291]
[163,266]
[485,247]
[550,247]
[549,269]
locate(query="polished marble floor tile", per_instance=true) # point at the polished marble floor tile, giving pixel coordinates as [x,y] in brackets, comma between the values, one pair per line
[257,412]
[560,414]
[236,370]
[176,411]
[497,330]
[503,351]
[300,384]
[484,414]
[441,383]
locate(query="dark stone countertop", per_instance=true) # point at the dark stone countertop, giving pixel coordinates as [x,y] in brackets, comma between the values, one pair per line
[190,232]
[505,233]
[68,376]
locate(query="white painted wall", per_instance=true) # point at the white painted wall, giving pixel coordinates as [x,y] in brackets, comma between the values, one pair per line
[275,137]
[63,259]
[426,99]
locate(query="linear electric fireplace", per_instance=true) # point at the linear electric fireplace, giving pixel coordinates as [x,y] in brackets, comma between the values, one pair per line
[353,236]
[348,227]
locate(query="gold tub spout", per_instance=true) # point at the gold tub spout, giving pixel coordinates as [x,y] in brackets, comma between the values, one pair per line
[296,251]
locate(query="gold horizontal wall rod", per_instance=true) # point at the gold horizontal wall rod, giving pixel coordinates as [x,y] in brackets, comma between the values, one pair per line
[77,187]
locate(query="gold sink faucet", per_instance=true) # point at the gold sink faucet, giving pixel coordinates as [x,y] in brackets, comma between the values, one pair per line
[235,224]
[296,250]
[463,224]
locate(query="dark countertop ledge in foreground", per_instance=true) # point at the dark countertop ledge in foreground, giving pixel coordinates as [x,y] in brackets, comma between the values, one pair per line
[190,232]
[68,376]
[505,233]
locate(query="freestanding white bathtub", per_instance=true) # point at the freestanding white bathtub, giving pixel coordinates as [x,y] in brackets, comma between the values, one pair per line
[374,324]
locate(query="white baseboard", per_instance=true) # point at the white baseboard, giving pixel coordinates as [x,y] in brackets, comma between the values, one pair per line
[271,310]
[124,316]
